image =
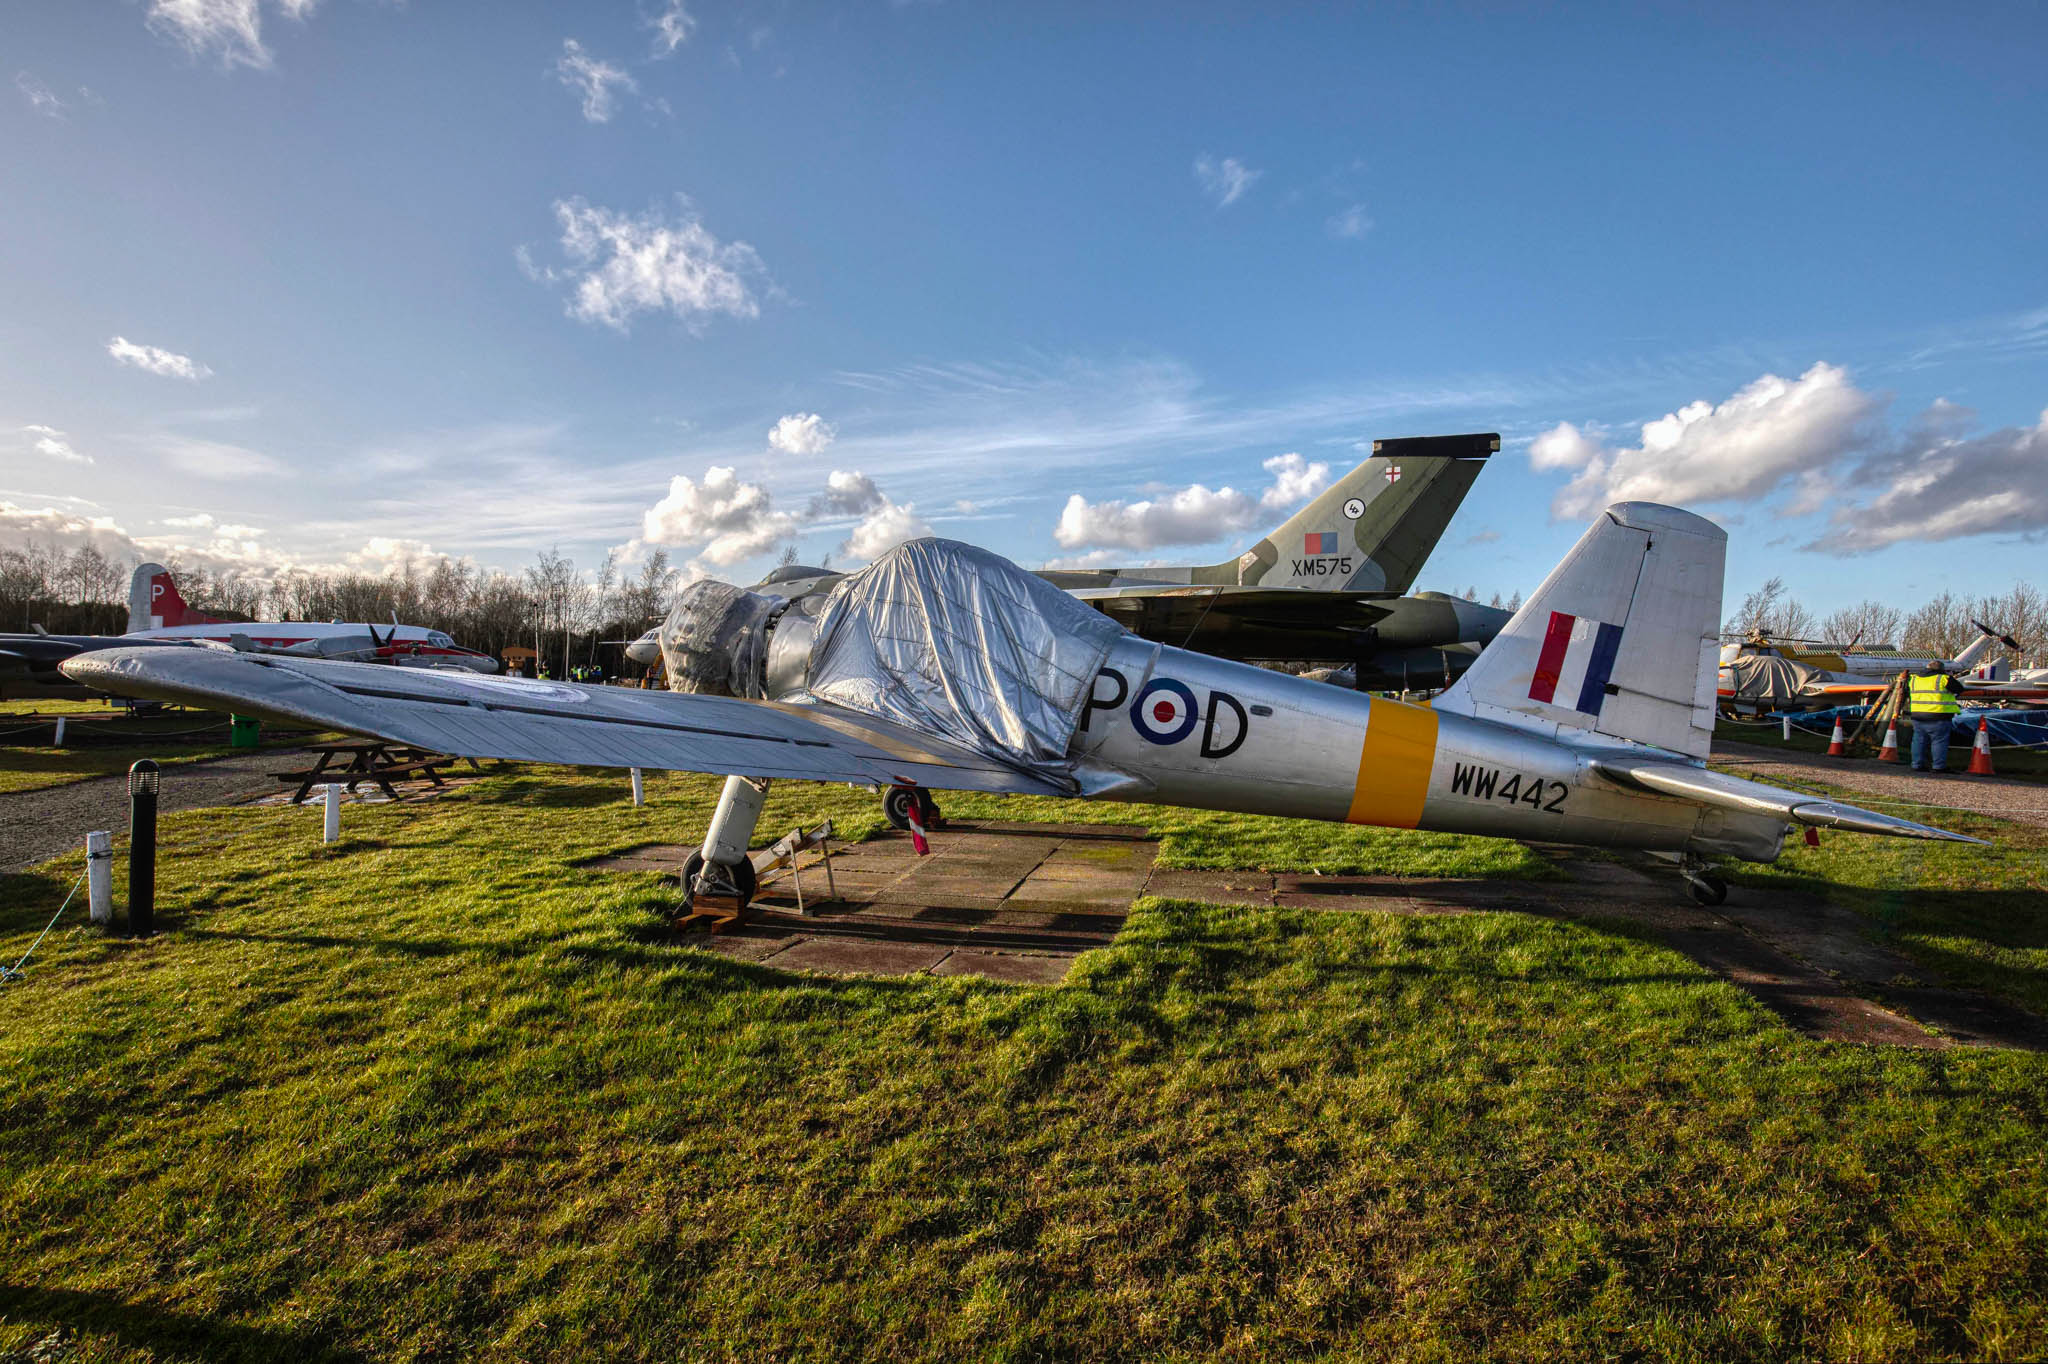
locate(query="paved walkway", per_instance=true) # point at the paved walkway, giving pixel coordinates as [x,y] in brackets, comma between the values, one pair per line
[1018,902]
[1892,784]
[40,824]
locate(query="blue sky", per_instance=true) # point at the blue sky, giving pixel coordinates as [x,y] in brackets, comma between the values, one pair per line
[476,279]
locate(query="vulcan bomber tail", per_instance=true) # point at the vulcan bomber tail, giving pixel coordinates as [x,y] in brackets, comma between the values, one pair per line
[1372,529]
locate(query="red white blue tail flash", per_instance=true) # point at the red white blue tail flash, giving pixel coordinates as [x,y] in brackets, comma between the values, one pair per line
[1575,663]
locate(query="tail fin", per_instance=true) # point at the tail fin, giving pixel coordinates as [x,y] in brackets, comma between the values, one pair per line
[154,603]
[1371,530]
[1622,639]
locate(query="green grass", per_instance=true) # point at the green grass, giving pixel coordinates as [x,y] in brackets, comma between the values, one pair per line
[436,1093]
[1973,916]
[56,705]
[28,769]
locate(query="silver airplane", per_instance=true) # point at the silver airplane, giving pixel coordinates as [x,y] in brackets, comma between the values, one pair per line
[942,666]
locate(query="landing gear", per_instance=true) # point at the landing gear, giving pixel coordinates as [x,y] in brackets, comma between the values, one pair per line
[739,881]
[898,805]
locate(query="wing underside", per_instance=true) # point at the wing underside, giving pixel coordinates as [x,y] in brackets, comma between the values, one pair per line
[1722,791]
[473,715]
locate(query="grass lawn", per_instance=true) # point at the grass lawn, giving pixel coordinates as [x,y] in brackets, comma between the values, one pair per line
[168,738]
[435,1092]
[1972,916]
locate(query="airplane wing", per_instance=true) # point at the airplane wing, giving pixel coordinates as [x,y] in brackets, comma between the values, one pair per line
[1233,621]
[1755,798]
[479,716]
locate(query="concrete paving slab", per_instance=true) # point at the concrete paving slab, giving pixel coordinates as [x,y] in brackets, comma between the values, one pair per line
[1011,968]
[1214,887]
[849,956]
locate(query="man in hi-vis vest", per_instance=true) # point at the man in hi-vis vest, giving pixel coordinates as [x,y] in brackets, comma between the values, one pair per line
[1931,702]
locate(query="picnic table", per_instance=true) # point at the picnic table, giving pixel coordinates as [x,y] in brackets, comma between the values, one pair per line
[371,760]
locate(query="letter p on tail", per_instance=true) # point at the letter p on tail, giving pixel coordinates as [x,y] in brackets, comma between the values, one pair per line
[1622,639]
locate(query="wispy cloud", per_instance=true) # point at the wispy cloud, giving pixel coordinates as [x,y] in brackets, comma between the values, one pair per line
[672,28]
[598,82]
[41,98]
[51,442]
[1226,180]
[155,360]
[1350,224]
[229,30]
[622,264]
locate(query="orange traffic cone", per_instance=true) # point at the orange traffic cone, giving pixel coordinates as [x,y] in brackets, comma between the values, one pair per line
[1890,752]
[1835,749]
[1980,752]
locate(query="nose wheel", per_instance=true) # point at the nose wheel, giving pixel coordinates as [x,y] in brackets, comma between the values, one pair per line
[1707,889]
[737,882]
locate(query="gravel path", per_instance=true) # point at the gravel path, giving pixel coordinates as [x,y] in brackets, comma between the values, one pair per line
[2024,801]
[35,825]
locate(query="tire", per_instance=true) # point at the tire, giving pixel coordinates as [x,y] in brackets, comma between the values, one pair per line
[1707,889]
[897,804]
[744,876]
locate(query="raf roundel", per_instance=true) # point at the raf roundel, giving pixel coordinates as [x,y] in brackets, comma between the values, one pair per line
[1164,712]
[1354,507]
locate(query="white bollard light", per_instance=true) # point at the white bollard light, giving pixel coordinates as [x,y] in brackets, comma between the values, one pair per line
[639,791]
[330,815]
[60,731]
[99,876]
[1786,722]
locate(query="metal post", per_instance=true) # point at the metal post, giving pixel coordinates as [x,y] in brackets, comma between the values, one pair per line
[330,818]
[1786,726]
[144,781]
[60,732]
[639,791]
[99,876]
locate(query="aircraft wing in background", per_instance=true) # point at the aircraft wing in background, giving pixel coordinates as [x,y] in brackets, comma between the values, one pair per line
[478,716]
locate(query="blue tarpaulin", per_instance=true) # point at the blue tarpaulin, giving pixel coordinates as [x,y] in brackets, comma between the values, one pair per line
[2009,728]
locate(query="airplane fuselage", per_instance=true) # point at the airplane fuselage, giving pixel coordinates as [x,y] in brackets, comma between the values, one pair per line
[1213,734]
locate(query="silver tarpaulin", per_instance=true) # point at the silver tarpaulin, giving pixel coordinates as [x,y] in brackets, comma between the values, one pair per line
[964,644]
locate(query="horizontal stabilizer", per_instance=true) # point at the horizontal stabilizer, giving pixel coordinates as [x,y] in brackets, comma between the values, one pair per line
[1724,792]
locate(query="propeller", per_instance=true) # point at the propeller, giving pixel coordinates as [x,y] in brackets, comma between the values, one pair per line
[2007,640]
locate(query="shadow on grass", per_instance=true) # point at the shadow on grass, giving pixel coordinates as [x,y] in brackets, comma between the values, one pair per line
[165,1334]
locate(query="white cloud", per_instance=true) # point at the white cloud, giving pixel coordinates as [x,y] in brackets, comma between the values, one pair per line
[1295,481]
[1935,484]
[671,28]
[229,29]
[40,97]
[729,520]
[1772,432]
[884,528]
[169,364]
[1351,224]
[52,442]
[1194,515]
[802,433]
[1225,181]
[626,264]
[848,492]
[597,81]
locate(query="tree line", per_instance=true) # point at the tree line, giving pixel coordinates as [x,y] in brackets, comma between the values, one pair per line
[550,607]
[565,614]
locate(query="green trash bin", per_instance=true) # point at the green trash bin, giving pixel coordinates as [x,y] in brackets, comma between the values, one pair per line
[244,731]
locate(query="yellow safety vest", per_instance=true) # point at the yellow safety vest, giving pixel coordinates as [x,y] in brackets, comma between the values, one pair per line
[1930,696]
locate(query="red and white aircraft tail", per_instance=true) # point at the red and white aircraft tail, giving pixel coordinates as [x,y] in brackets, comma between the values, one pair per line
[154,603]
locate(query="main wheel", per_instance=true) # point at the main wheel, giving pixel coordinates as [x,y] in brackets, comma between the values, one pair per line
[743,876]
[1707,889]
[898,804]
